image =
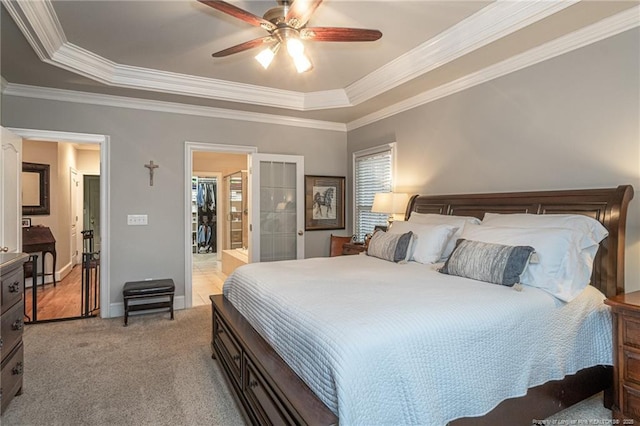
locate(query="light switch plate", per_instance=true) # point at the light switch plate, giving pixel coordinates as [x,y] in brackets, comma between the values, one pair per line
[137,219]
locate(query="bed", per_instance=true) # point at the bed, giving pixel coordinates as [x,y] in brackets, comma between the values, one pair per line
[270,390]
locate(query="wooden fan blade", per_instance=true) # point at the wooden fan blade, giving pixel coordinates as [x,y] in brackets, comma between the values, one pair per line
[339,34]
[300,12]
[241,14]
[244,46]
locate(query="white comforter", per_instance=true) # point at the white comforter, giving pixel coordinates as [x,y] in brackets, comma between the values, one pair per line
[385,343]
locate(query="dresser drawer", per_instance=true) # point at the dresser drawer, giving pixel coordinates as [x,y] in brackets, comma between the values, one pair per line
[263,401]
[12,288]
[12,371]
[631,401]
[11,325]
[228,346]
[630,331]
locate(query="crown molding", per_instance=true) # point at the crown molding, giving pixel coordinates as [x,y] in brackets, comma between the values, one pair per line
[24,91]
[39,23]
[601,30]
[491,23]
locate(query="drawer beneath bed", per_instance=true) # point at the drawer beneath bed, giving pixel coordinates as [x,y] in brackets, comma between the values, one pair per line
[263,401]
[229,348]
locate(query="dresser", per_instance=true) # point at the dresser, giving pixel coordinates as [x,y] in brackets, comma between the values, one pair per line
[625,310]
[11,325]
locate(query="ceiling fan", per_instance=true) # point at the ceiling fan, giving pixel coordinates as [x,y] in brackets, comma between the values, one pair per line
[286,25]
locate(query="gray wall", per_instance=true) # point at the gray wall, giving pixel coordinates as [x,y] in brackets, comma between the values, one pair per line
[157,250]
[569,122]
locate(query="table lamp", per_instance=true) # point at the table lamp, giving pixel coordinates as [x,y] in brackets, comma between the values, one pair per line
[390,203]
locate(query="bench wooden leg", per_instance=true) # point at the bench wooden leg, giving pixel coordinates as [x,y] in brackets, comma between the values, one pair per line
[171,299]
[126,311]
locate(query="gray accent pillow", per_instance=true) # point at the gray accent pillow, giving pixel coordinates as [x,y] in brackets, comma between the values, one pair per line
[493,263]
[392,247]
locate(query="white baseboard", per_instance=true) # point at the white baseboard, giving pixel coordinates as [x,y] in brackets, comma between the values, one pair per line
[48,279]
[117,309]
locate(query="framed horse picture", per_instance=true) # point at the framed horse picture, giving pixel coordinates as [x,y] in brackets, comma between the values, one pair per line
[324,202]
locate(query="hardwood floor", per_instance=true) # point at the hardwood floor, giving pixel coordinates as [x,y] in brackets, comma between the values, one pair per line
[62,301]
[207,278]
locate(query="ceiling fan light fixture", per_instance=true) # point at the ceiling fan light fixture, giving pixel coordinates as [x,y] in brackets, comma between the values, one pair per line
[295,47]
[302,63]
[265,57]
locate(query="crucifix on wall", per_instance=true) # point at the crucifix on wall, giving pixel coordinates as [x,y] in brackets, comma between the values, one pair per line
[151,168]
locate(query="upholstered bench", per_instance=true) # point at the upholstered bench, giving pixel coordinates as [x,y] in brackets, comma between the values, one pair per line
[147,290]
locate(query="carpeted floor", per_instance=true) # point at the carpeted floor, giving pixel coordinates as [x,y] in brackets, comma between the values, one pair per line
[97,372]
[153,372]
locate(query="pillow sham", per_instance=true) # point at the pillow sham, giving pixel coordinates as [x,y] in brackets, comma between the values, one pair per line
[492,263]
[593,232]
[391,247]
[443,219]
[428,240]
[560,269]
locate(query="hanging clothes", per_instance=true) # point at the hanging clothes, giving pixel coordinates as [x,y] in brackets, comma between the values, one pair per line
[206,197]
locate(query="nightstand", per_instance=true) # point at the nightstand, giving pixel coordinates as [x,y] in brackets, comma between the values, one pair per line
[353,248]
[625,310]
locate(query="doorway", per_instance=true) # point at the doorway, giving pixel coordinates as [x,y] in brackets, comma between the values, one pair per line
[208,160]
[65,247]
[217,213]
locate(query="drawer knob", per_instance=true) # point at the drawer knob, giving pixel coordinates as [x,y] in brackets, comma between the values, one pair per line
[236,357]
[17,324]
[18,369]
[14,287]
[220,331]
[253,384]
[1,342]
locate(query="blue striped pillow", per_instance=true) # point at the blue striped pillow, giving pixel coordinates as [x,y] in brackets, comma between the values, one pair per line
[493,263]
[392,247]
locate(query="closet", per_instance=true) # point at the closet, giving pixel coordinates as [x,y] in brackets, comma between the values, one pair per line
[203,214]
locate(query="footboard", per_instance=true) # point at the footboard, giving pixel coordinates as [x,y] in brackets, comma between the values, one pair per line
[265,388]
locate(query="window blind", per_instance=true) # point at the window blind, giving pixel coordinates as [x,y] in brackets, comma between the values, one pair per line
[372,174]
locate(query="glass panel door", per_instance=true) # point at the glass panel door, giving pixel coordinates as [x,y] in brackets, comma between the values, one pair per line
[277,216]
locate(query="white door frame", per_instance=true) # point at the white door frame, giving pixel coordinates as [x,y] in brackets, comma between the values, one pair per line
[104,142]
[189,149]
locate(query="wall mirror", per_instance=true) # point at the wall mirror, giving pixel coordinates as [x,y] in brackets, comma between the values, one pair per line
[35,189]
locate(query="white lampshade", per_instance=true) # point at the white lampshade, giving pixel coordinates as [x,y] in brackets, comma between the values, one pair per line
[265,57]
[390,202]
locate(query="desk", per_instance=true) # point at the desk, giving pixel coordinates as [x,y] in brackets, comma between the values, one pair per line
[39,239]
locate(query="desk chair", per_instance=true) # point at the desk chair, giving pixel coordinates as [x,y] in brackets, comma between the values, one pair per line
[336,244]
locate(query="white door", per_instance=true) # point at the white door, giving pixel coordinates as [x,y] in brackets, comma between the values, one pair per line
[276,191]
[10,193]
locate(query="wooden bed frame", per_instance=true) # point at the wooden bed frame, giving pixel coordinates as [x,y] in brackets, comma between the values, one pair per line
[269,392]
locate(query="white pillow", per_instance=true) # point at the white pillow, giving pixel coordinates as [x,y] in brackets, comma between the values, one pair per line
[428,240]
[593,232]
[560,269]
[443,219]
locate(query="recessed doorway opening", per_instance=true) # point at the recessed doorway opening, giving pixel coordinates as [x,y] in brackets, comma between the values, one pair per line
[217,219]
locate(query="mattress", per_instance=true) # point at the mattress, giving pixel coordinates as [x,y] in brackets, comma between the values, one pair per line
[386,343]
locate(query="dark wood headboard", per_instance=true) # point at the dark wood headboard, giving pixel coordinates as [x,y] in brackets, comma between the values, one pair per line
[609,206]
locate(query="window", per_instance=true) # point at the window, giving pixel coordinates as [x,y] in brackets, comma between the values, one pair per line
[372,173]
